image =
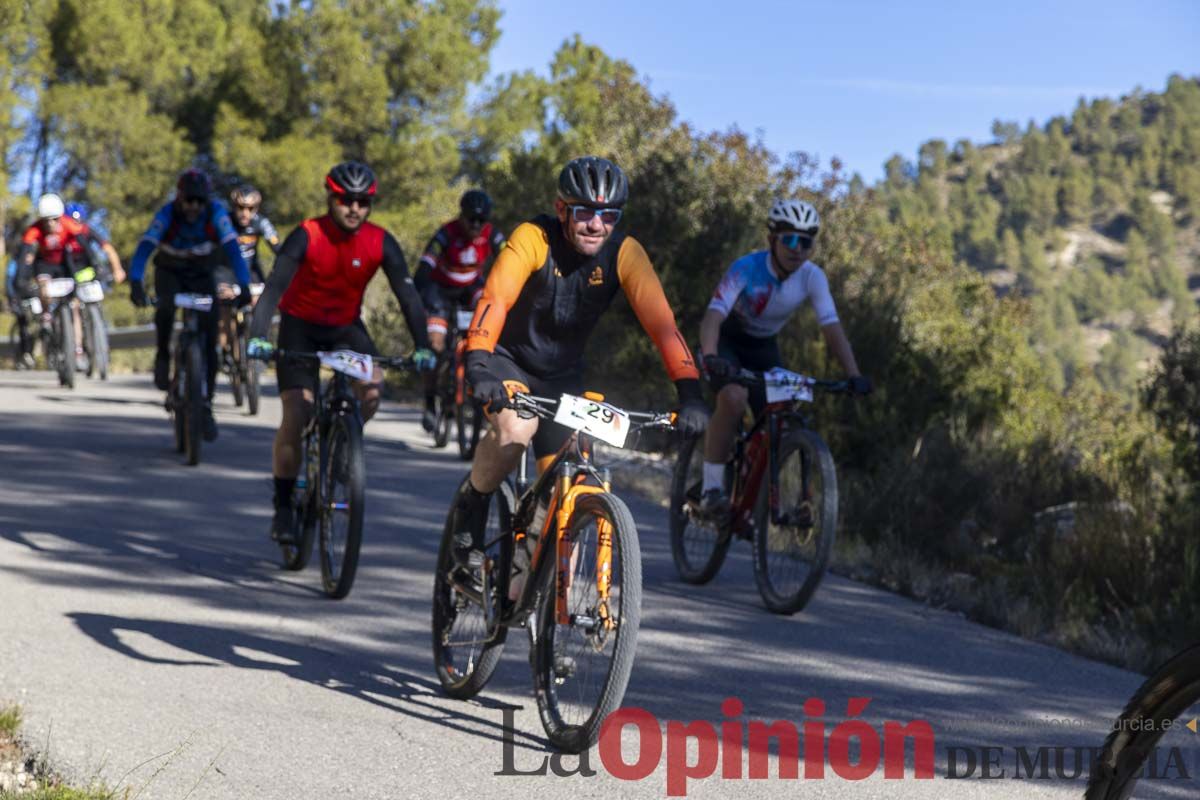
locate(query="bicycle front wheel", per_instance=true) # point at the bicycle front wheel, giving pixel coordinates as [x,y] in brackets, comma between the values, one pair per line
[698,547]
[235,376]
[467,638]
[98,356]
[341,504]
[791,553]
[581,668]
[66,346]
[176,401]
[252,374]
[1145,739]
[469,419]
[194,401]
[443,403]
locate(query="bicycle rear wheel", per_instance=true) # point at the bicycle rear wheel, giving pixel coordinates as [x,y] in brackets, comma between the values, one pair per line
[65,323]
[343,496]
[790,556]
[697,547]
[1146,730]
[467,639]
[193,402]
[581,669]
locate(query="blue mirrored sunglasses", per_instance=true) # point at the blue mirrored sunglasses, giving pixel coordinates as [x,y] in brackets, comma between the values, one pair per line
[609,216]
[796,241]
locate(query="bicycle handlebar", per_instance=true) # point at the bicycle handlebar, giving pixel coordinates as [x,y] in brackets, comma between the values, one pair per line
[748,377]
[545,407]
[388,362]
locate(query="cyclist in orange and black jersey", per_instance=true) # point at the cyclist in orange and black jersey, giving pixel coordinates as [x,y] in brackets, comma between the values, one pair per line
[551,283]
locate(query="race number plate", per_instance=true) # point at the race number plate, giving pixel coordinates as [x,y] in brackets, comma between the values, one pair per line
[464,320]
[60,287]
[196,302]
[348,362]
[90,292]
[782,386]
[607,423]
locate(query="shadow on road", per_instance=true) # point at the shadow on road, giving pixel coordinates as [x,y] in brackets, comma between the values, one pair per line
[350,673]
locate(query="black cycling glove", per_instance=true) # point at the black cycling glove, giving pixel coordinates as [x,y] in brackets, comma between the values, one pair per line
[693,412]
[487,388]
[719,368]
[861,385]
[137,294]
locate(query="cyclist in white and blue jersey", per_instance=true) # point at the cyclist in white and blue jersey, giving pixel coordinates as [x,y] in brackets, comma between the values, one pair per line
[754,300]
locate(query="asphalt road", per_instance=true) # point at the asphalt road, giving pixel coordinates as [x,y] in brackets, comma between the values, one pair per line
[154,642]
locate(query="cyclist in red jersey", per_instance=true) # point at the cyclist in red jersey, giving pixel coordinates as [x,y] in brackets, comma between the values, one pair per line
[54,247]
[320,275]
[451,275]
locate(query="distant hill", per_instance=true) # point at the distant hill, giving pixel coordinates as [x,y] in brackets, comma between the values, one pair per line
[1094,217]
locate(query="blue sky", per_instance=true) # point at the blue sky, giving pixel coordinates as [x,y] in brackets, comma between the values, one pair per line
[862,79]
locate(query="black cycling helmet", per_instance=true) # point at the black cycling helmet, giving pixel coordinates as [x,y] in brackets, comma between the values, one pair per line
[245,195]
[193,182]
[351,177]
[475,204]
[593,181]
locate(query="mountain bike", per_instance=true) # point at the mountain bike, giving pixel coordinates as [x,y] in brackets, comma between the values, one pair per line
[453,405]
[783,497]
[1160,718]
[58,341]
[330,495]
[188,389]
[563,561]
[242,370]
[90,293]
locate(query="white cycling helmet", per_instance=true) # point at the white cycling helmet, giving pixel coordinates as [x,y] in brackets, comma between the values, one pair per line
[50,206]
[793,215]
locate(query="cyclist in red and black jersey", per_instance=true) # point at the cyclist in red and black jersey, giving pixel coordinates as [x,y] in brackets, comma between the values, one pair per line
[55,246]
[451,274]
[320,275]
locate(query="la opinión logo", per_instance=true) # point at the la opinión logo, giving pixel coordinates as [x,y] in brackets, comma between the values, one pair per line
[852,749]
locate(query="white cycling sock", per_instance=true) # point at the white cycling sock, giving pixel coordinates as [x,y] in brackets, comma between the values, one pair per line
[714,476]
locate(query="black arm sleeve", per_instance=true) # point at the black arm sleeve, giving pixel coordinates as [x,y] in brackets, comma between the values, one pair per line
[396,270]
[286,263]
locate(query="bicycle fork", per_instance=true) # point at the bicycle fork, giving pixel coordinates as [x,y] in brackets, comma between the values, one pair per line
[567,555]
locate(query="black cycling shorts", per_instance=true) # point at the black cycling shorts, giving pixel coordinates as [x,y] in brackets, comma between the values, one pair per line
[550,435]
[308,337]
[44,269]
[224,274]
[749,352]
[441,301]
